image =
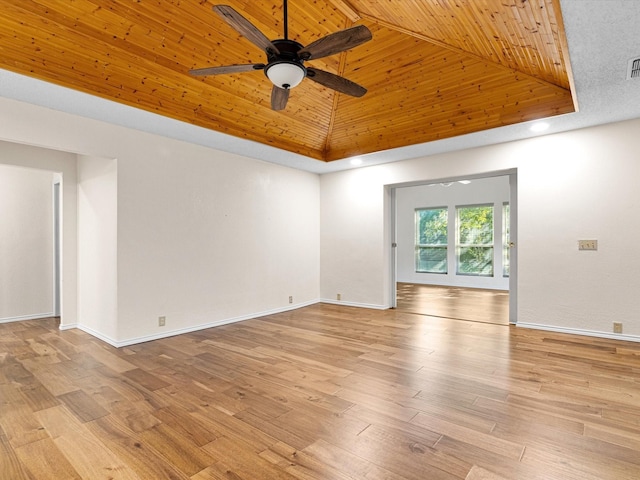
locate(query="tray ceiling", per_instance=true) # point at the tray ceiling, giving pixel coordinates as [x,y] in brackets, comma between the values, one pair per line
[434,69]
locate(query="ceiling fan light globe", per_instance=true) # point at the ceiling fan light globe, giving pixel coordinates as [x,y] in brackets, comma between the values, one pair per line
[285,74]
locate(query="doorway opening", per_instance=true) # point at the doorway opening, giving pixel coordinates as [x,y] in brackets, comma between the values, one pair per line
[453,247]
[30,214]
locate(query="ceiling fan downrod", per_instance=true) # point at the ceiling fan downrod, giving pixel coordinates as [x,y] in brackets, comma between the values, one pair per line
[286,27]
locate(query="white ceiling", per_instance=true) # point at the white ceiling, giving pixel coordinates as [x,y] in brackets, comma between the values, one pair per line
[601,36]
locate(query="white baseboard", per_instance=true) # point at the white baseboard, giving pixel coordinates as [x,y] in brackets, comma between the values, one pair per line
[21,318]
[354,304]
[180,331]
[579,331]
[98,335]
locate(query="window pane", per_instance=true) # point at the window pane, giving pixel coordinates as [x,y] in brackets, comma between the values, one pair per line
[475,240]
[431,260]
[475,261]
[475,225]
[431,240]
[431,226]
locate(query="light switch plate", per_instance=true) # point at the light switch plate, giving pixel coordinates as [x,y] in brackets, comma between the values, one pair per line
[587,244]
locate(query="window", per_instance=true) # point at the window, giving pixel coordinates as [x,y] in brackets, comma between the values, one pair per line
[431,240]
[506,239]
[474,248]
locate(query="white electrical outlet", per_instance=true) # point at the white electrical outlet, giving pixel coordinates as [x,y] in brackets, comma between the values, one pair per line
[587,244]
[290,298]
[162,321]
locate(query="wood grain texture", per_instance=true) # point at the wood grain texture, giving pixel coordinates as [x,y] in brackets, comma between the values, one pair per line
[433,70]
[479,473]
[321,392]
[474,304]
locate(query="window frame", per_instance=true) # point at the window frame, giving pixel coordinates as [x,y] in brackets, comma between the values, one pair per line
[506,239]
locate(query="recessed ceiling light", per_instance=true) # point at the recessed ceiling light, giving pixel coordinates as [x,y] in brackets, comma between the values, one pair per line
[539,126]
[464,182]
[356,161]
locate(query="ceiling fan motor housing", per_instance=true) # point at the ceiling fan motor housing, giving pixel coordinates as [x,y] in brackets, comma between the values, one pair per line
[285,69]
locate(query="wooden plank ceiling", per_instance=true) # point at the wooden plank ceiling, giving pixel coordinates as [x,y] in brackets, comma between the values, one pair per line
[435,68]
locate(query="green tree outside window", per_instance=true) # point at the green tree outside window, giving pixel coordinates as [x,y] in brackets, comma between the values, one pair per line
[475,240]
[431,240]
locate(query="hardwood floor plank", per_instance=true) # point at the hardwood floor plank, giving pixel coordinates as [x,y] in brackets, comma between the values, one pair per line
[558,466]
[10,465]
[13,370]
[374,402]
[523,420]
[231,426]
[81,448]
[102,354]
[479,473]
[45,352]
[177,449]
[83,406]
[279,432]
[38,397]
[145,379]
[186,425]
[404,454]
[103,377]
[329,461]
[56,379]
[301,464]
[64,348]
[132,451]
[243,463]
[17,421]
[501,465]
[43,460]
[471,436]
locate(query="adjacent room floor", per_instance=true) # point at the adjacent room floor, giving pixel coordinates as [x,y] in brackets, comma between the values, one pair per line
[475,304]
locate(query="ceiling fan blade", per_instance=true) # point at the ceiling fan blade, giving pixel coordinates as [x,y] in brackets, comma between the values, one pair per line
[245,28]
[279,97]
[227,69]
[336,43]
[335,82]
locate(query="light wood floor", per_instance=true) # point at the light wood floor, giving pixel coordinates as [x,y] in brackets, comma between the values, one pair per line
[474,304]
[322,392]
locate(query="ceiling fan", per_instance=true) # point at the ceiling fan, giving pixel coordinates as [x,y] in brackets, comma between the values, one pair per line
[285,58]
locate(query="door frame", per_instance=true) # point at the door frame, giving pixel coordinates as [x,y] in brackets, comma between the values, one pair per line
[57,246]
[391,239]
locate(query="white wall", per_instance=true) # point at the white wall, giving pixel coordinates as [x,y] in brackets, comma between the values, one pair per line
[574,185]
[494,191]
[26,243]
[65,165]
[98,245]
[203,237]
[352,241]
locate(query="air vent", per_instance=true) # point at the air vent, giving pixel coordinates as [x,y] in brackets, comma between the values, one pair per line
[633,70]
